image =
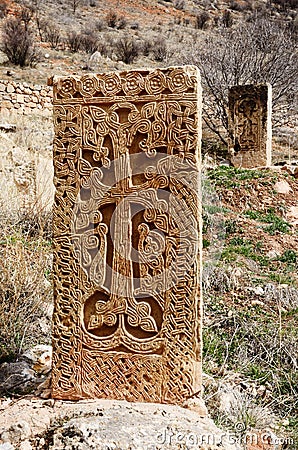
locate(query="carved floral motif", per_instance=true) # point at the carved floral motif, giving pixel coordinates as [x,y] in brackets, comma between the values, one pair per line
[126,245]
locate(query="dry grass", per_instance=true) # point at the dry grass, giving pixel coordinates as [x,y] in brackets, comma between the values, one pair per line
[25,238]
[25,283]
[32,132]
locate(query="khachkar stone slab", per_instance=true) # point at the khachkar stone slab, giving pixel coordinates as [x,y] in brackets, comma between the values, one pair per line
[127,319]
[250,125]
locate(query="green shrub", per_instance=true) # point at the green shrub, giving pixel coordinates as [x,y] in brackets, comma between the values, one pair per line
[276,222]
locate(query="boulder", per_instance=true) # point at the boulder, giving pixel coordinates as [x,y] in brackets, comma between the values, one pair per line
[107,424]
[16,377]
[282,187]
[24,375]
[292,215]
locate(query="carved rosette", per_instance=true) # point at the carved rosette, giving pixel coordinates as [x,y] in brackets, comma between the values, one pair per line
[176,80]
[127,236]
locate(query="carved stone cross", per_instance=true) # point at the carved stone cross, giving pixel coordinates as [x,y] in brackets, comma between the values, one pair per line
[127,236]
[250,127]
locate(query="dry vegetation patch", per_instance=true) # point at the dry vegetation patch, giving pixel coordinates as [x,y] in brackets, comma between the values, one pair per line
[251,298]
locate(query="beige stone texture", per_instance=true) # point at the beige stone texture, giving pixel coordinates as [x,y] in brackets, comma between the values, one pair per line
[17,95]
[10,88]
[6,104]
[282,187]
[127,246]
[292,215]
[107,424]
[20,98]
[26,180]
[250,125]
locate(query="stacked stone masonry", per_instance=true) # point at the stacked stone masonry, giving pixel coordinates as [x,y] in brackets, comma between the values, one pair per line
[23,98]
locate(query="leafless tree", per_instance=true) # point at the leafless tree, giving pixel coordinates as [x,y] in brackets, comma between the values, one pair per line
[18,41]
[74,41]
[160,50]
[254,52]
[146,47]
[90,41]
[26,15]
[112,19]
[53,35]
[75,4]
[3,9]
[227,19]
[201,20]
[179,4]
[126,49]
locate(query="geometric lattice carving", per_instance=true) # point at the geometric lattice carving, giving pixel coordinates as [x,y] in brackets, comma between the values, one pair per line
[250,125]
[127,319]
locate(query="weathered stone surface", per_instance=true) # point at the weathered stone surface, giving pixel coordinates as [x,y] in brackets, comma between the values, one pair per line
[127,245]
[18,94]
[18,431]
[292,215]
[107,424]
[282,187]
[129,429]
[20,98]
[5,105]
[25,375]
[10,88]
[27,178]
[250,125]
[7,446]
[17,377]
[40,357]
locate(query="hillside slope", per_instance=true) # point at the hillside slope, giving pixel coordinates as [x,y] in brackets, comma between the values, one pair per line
[251,294]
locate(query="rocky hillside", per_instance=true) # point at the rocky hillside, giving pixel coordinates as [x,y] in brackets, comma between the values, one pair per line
[177,23]
[250,288]
[74,36]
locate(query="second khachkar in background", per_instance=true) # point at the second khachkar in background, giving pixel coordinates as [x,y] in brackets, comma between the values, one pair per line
[250,125]
[127,236]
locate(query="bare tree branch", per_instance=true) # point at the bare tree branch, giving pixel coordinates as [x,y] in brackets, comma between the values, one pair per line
[254,52]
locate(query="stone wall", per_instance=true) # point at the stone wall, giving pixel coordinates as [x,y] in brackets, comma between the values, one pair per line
[23,98]
[26,181]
